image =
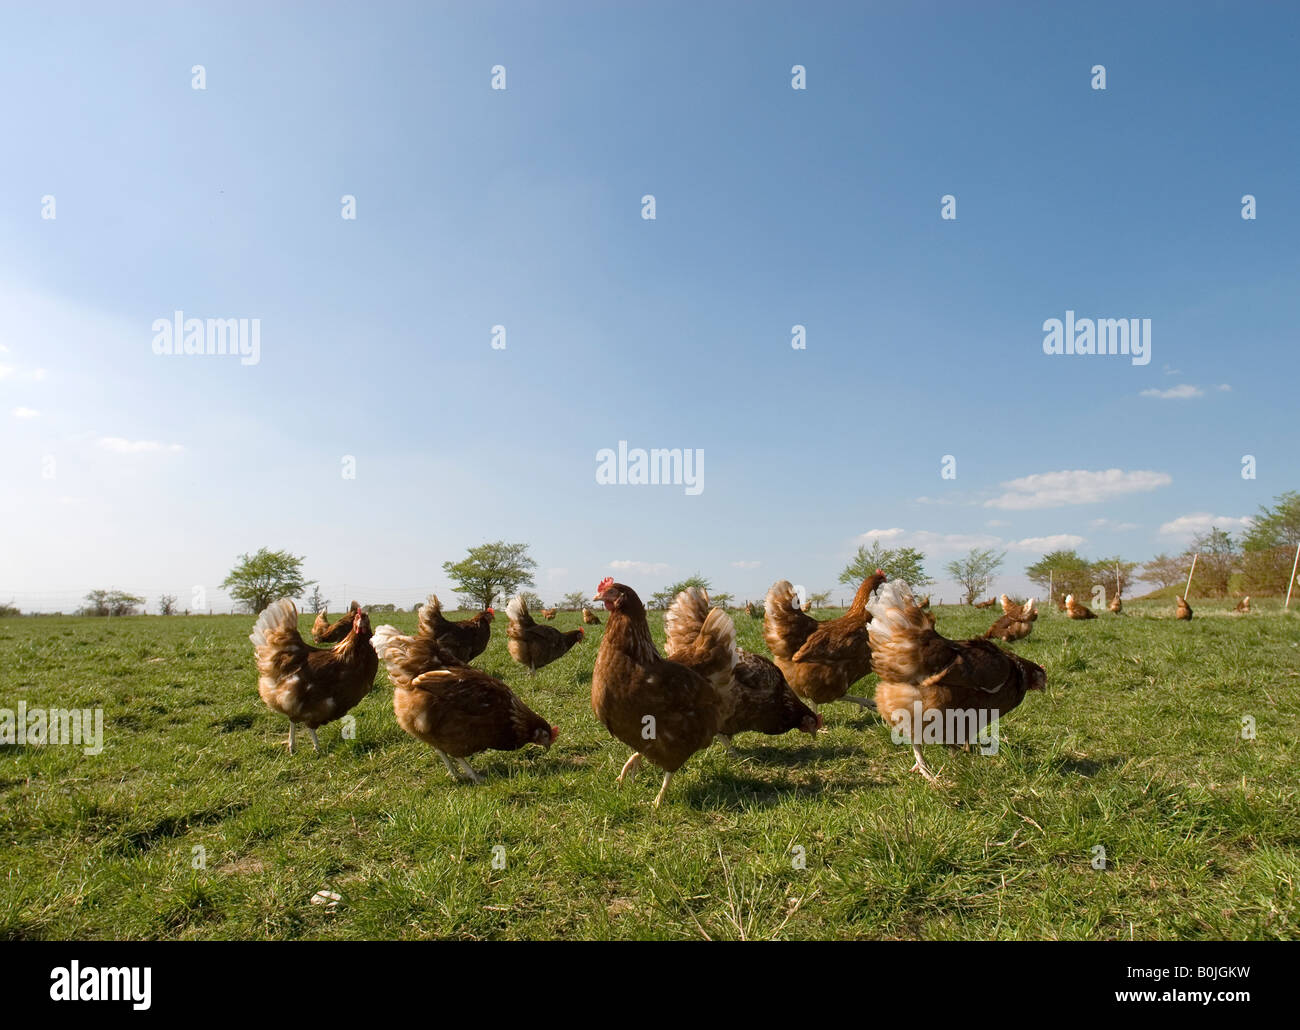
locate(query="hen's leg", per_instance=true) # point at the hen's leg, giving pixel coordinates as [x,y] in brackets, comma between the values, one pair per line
[629,768]
[447,762]
[473,776]
[725,740]
[664,789]
[863,702]
[920,765]
[314,742]
[293,731]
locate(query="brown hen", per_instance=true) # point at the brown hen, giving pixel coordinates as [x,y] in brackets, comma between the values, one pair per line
[820,660]
[454,708]
[966,682]
[533,645]
[326,632]
[310,685]
[664,710]
[757,698]
[464,640]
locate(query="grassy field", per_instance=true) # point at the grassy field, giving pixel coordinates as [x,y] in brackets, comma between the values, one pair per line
[1135,746]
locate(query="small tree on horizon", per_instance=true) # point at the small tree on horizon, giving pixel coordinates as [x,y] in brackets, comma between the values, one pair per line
[1268,546]
[976,571]
[261,578]
[167,604]
[574,600]
[1065,572]
[111,603]
[490,571]
[1165,571]
[316,603]
[1219,559]
[896,563]
[668,594]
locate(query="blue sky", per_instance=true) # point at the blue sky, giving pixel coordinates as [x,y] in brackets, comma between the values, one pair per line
[775,207]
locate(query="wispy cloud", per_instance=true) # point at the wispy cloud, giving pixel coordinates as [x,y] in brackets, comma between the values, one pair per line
[25,413]
[644,567]
[1058,542]
[925,540]
[1180,392]
[1120,527]
[120,445]
[1187,526]
[746,564]
[1057,489]
[31,375]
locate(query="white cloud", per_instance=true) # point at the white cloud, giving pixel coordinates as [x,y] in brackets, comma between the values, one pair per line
[644,567]
[746,564]
[26,375]
[925,540]
[1057,489]
[993,523]
[1187,526]
[119,445]
[25,413]
[1175,392]
[1224,387]
[1058,542]
[1112,524]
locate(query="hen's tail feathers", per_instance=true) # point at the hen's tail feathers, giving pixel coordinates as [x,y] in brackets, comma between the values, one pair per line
[684,619]
[517,609]
[781,617]
[701,637]
[278,618]
[893,611]
[430,613]
[383,640]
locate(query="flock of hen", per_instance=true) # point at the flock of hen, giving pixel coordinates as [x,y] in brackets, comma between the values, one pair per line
[665,707]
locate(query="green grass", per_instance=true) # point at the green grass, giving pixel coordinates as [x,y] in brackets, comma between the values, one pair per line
[1136,746]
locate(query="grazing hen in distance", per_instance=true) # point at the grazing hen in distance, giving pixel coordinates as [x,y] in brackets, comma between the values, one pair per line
[464,640]
[664,710]
[454,708]
[820,660]
[326,632]
[590,617]
[310,685]
[1016,624]
[533,645]
[757,698]
[1116,605]
[1244,604]
[1075,610]
[935,689]
[1184,611]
